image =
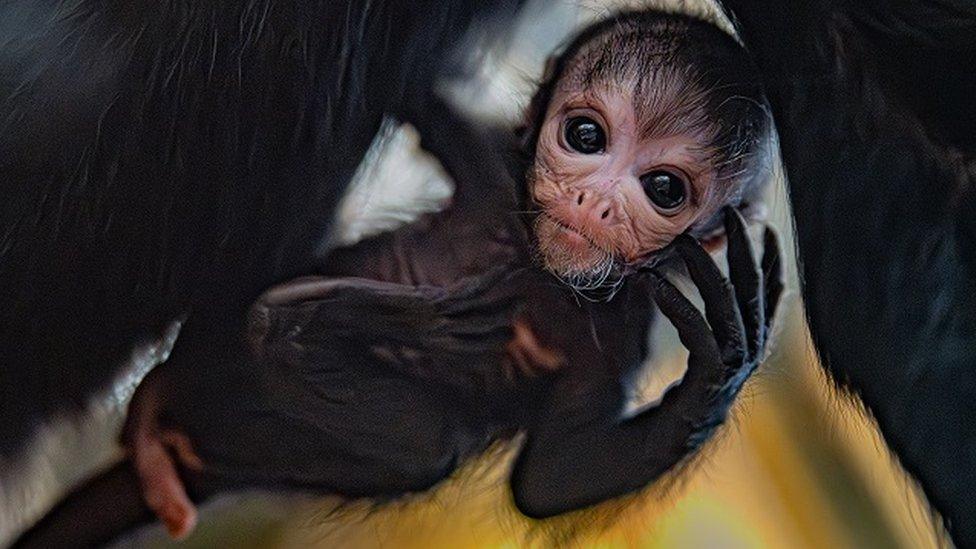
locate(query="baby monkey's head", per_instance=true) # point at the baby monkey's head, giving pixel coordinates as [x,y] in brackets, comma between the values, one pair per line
[644,128]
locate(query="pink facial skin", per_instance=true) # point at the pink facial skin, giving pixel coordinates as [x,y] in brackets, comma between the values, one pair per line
[594,207]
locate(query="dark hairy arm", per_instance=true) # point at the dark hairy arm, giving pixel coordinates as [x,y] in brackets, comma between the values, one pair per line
[476,230]
[582,451]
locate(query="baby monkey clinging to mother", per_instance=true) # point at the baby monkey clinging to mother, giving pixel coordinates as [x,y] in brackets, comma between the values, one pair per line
[413,350]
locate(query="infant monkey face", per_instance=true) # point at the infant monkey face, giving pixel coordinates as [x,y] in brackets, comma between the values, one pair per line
[610,186]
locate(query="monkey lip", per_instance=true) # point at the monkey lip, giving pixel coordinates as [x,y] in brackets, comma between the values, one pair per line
[570,235]
[565,249]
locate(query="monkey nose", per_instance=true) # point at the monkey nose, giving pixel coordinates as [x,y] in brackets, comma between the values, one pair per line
[591,208]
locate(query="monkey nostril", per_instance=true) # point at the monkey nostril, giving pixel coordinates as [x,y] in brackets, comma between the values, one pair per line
[579,199]
[605,214]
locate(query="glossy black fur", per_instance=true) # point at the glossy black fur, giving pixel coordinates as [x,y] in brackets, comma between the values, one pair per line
[874,106]
[165,158]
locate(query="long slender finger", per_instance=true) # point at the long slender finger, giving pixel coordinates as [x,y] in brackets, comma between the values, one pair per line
[162,489]
[721,309]
[180,443]
[772,267]
[693,331]
[746,279]
[539,356]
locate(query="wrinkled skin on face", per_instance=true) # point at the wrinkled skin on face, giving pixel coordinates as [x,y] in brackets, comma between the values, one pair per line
[595,211]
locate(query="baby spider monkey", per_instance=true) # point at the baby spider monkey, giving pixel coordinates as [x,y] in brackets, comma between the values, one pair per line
[413,350]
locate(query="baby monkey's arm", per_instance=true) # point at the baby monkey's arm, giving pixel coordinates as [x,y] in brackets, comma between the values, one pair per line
[583,452]
[474,156]
[476,230]
[464,324]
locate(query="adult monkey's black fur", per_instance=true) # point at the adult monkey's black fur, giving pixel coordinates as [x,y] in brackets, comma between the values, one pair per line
[163,157]
[874,105]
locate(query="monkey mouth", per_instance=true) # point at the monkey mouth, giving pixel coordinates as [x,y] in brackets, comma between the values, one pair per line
[569,252]
[571,234]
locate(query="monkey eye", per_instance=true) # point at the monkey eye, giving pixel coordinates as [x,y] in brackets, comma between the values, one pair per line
[666,190]
[584,135]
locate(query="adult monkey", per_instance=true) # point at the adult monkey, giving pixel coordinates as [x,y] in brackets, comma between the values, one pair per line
[874,106]
[159,158]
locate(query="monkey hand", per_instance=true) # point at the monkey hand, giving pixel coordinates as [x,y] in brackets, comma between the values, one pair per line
[609,453]
[739,312]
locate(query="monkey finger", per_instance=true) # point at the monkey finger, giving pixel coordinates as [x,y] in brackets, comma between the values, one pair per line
[471,334]
[180,444]
[487,306]
[355,303]
[144,406]
[162,488]
[746,279]
[721,309]
[478,316]
[772,267]
[537,355]
[693,331]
